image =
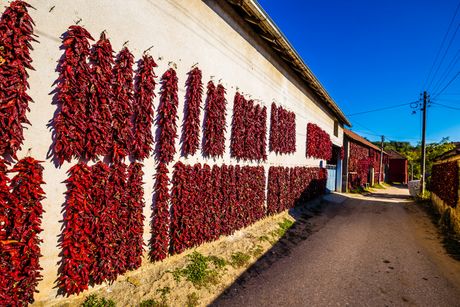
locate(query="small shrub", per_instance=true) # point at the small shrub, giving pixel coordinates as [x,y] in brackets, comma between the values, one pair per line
[201,271]
[239,259]
[192,300]
[94,301]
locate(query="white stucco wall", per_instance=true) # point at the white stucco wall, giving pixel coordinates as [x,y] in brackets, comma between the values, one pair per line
[181,31]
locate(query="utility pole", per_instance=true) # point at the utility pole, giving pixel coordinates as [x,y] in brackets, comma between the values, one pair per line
[381,160]
[424,109]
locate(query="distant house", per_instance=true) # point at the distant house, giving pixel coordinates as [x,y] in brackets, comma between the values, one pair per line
[397,170]
[361,162]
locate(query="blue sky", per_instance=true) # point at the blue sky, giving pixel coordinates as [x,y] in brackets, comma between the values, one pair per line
[371,54]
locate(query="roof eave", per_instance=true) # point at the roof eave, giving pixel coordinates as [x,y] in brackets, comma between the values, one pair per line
[278,41]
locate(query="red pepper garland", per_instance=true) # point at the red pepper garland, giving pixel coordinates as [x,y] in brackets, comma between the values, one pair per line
[99,134]
[167,114]
[288,187]
[71,122]
[358,166]
[191,126]
[143,108]
[103,216]
[214,123]
[102,236]
[16,35]
[319,143]
[274,129]
[133,243]
[160,218]
[249,131]
[20,249]
[122,105]
[6,281]
[77,248]
[114,221]
[445,182]
[207,203]
[238,132]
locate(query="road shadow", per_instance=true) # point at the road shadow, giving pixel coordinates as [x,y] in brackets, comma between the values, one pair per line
[300,231]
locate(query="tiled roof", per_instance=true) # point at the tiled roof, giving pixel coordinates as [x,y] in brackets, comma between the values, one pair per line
[359,139]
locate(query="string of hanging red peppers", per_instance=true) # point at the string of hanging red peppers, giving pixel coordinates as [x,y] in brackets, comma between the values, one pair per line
[16,35]
[143,108]
[71,121]
[319,143]
[214,121]
[191,125]
[99,126]
[103,225]
[207,203]
[122,105]
[166,121]
[21,211]
[282,130]
[444,182]
[290,186]
[249,131]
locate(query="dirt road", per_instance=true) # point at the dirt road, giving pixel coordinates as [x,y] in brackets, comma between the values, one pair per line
[380,250]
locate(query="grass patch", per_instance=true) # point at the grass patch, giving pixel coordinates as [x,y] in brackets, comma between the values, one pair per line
[201,271]
[239,259]
[284,226]
[379,186]
[193,300]
[256,251]
[264,238]
[152,303]
[94,301]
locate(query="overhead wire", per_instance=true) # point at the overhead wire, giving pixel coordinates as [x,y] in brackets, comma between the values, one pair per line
[383,108]
[447,71]
[430,77]
[436,95]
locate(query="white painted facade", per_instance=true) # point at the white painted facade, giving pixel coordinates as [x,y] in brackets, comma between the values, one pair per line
[183,32]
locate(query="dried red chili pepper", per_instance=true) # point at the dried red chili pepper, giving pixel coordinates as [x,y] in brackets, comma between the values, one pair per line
[71,121]
[100,97]
[143,108]
[319,143]
[78,249]
[192,107]
[207,203]
[282,130]
[214,121]
[159,243]
[133,242]
[20,251]
[16,35]
[167,115]
[249,131]
[122,105]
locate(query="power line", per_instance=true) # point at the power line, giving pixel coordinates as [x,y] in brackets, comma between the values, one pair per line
[447,71]
[442,44]
[447,85]
[384,108]
[444,55]
[446,106]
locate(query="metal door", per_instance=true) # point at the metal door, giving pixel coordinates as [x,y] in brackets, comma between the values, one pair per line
[331,178]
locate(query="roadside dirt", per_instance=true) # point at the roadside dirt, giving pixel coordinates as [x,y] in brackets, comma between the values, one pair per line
[156,281]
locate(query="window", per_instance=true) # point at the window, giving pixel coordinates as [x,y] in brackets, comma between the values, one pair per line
[336,128]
